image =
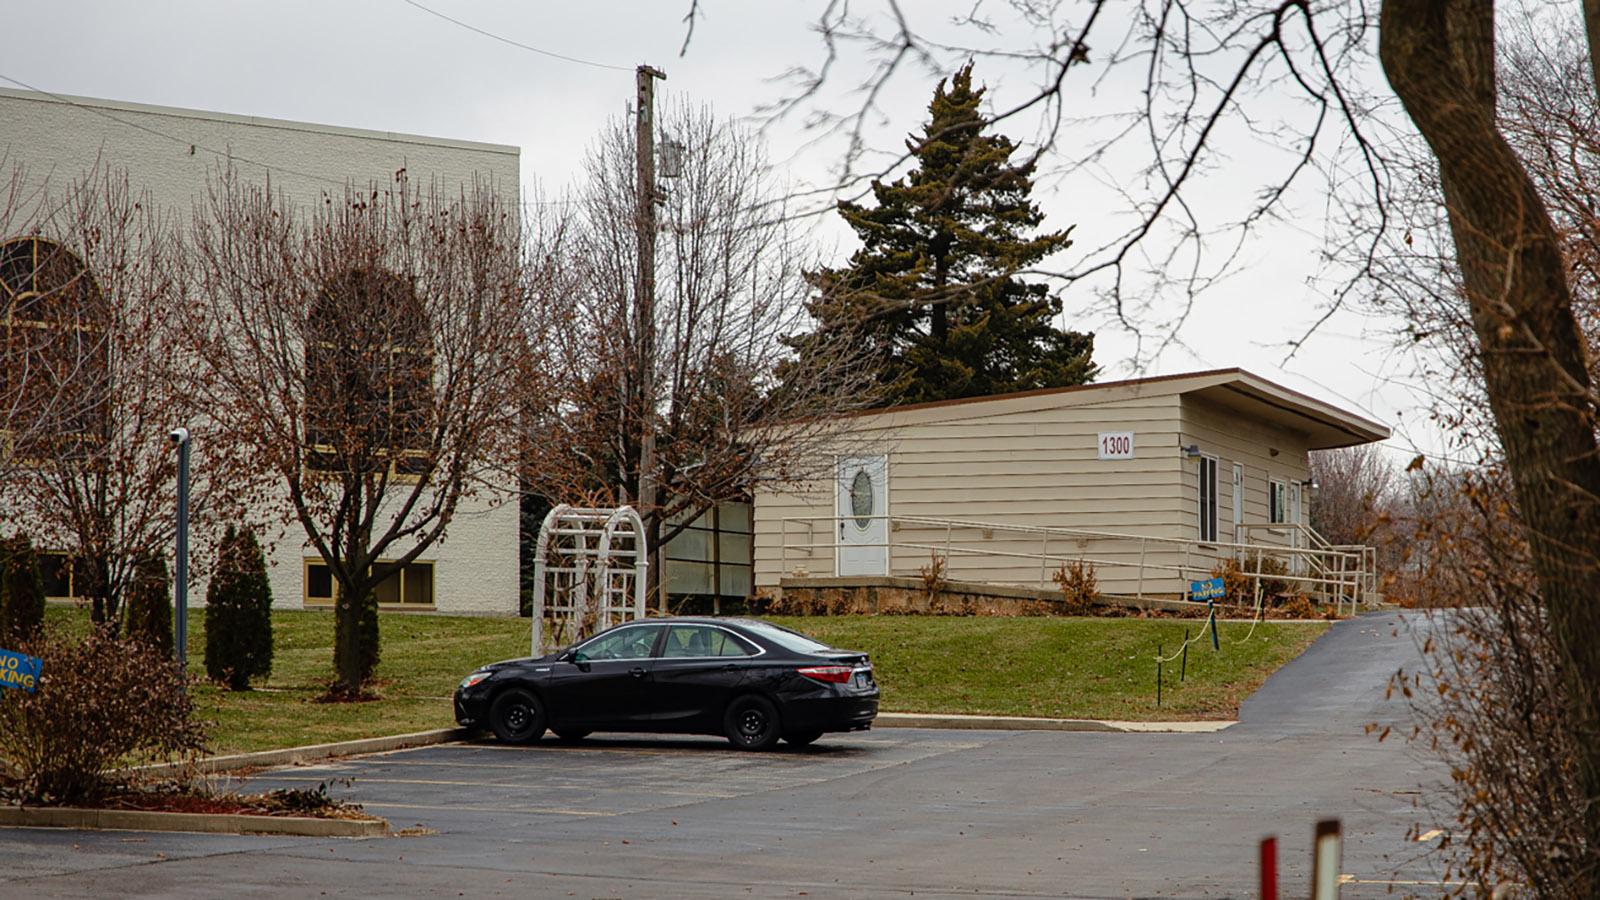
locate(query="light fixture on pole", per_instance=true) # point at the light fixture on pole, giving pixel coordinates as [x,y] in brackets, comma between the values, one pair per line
[180,564]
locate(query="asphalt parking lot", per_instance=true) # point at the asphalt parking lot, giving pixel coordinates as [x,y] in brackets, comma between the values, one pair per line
[890,813]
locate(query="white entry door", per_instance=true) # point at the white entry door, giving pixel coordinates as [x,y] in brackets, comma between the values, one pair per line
[1238,503]
[863,502]
[1296,539]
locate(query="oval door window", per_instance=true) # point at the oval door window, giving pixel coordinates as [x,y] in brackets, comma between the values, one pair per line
[861,498]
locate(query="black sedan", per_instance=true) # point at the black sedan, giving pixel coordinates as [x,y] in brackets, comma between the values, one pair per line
[752,681]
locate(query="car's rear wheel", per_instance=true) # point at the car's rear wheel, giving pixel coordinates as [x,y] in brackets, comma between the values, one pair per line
[572,735]
[751,723]
[517,717]
[802,738]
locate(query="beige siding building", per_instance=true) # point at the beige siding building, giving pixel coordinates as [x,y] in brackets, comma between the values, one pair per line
[172,153]
[1151,481]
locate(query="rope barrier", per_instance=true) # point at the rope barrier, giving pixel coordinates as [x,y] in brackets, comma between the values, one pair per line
[1211,625]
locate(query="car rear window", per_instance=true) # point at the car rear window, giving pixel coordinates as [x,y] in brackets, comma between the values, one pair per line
[700,641]
[788,640]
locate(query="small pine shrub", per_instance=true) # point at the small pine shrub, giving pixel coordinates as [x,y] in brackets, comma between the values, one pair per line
[21,592]
[1080,589]
[102,702]
[149,615]
[239,613]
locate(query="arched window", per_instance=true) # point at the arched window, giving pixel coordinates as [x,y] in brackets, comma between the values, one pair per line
[369,377]
[54,356]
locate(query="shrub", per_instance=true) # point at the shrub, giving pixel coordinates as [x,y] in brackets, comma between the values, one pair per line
[935,576]
[150,604]
[1271,570]
[1238,588]
[239,612]
[1297,607]
[1080,590]
[102,702]
[21,592]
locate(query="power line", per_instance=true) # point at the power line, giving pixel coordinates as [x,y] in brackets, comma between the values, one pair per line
[505,40]
[162,134]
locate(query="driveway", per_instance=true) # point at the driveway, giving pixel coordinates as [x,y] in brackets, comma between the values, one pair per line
[889,813]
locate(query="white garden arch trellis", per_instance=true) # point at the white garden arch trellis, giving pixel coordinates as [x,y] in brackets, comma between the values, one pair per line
[589,573]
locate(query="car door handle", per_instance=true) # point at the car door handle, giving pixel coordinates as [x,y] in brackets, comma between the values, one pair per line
[637,671]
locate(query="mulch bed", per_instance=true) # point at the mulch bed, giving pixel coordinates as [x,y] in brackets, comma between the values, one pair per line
[298,803]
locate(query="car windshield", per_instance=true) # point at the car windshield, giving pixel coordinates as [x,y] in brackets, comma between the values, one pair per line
[788,640]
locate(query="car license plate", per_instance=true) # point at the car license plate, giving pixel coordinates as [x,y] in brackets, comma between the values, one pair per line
[863,679]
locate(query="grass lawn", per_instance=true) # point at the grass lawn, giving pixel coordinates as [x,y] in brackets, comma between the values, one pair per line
[1089,668]
[1068,668]
[423,658]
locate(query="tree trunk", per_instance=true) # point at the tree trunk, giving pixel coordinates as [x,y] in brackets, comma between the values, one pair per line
[355,618]
[355,638]
[98,584]
[1439,57]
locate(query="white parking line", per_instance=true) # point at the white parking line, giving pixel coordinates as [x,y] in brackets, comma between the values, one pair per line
[532,810]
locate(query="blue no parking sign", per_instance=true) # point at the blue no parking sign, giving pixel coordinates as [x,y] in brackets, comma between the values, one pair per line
[1210,589]
[19,670]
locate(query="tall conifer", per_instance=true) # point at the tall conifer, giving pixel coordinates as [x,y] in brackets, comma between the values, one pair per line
[934,289]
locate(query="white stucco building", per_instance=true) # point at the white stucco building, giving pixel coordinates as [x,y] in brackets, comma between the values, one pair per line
[171,153]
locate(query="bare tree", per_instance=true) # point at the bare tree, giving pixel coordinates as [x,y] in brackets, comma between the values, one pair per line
[1441,59]
[52,344]
[361,355]
[99,277]
[1355,488]
[106,486]
[729,288]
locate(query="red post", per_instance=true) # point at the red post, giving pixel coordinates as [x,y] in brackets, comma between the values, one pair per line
[1269,868]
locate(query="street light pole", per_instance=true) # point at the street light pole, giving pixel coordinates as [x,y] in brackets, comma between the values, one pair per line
[180,581]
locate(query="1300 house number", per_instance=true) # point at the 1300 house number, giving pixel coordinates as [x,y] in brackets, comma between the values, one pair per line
[1116,445]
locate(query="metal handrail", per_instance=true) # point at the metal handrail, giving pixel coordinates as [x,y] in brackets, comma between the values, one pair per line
[1346,552]
[1345,570]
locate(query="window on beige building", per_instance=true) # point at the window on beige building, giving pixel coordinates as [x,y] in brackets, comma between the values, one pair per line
[412,585]
[369,371]
[54,357]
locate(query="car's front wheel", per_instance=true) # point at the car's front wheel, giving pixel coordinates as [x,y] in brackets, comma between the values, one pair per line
[751,723]
[517,717]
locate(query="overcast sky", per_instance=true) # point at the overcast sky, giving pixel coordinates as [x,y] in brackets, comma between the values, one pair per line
[384,64]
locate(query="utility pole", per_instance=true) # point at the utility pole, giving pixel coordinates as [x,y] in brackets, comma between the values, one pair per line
[645,314]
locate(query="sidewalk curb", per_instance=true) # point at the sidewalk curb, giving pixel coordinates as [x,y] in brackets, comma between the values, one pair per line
[201,823]
[1030,723]
[297,756]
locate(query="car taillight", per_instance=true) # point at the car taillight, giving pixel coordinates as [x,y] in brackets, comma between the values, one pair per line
[830,674]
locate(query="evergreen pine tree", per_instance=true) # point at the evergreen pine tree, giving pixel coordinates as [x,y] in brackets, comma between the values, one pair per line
[150,604]
[21,592]
[239,612]
[933,289]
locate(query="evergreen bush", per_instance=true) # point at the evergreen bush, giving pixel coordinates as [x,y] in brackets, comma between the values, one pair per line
[239,613]
[150,604]
[21,592]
